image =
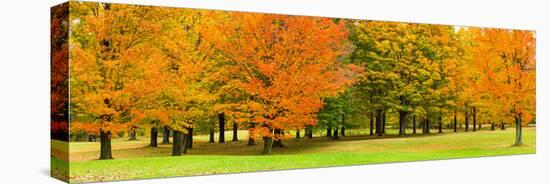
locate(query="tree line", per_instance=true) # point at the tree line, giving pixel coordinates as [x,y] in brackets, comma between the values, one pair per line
[184,70]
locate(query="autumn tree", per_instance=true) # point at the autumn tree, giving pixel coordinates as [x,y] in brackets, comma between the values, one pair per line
[113,69]
[404,68]
[509,63]
[185,95]
[290,64]
[59,86]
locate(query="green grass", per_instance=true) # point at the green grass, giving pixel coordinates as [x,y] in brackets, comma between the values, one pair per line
[143,162]
[134,161]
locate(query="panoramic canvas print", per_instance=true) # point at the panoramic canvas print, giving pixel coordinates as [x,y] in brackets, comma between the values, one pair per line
[147,92]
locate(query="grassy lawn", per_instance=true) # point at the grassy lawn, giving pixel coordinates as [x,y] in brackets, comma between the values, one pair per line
[134,160]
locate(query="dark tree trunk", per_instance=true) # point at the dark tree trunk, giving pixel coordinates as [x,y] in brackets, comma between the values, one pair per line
[309,132]
[211,136]
[329,132]
[343,129]
[177,143]
[185,143]
[440,127]
[384,122]
[466,121]
[166,135]
[454,123]
[105,151]
[235,132]
[379,122]
[427,125]
[221,119]
[474,118]
[414,124]
[518,131]
[402,122]
[278,142]
[250,138]
[132,134]
[371,123]
[190,139]
[268,145]
[502,126]
[492,126]
[154,136]
[297,133]
[423,126]
[335,134]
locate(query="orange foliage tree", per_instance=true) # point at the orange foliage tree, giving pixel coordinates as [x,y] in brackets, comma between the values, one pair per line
[59,85]
[114,71]
[185,96]
[290,64]
[507,62]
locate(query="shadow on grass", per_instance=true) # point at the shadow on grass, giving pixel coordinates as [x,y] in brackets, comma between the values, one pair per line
[292,146]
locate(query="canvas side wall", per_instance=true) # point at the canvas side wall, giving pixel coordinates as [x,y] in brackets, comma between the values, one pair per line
[59,73]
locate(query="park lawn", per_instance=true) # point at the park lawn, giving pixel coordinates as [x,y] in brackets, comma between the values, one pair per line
[204,158]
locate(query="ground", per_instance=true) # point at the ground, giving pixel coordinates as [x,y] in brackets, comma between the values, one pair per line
[134,160]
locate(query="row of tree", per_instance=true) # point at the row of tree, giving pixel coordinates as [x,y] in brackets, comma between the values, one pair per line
[179,69]
[435,73]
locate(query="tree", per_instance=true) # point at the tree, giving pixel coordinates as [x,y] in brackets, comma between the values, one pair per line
[510,78]
[186,75]
[290,65]
[59,62]
[404,65]
[113,74]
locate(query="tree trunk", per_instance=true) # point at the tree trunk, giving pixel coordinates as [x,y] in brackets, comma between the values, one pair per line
[440,124]
[132,134]
[221,119]
[379,122]
[423,126]
[384,122]
[427,126]
[309,132]
[211,136]
[250,137]
[177,143]
[154,136]
[185,143]
[343,129]
[268,145]
[402,122]
[466,121]
[479,126]
[474,118]
[492,126]
[190,139]
[166,135]
[278,142]
[297,133]
[502,126]
[335,134]
[329,132]
[371,123]
[454,125]
[518,131]
[414,124]
[105,151]
[235,132]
